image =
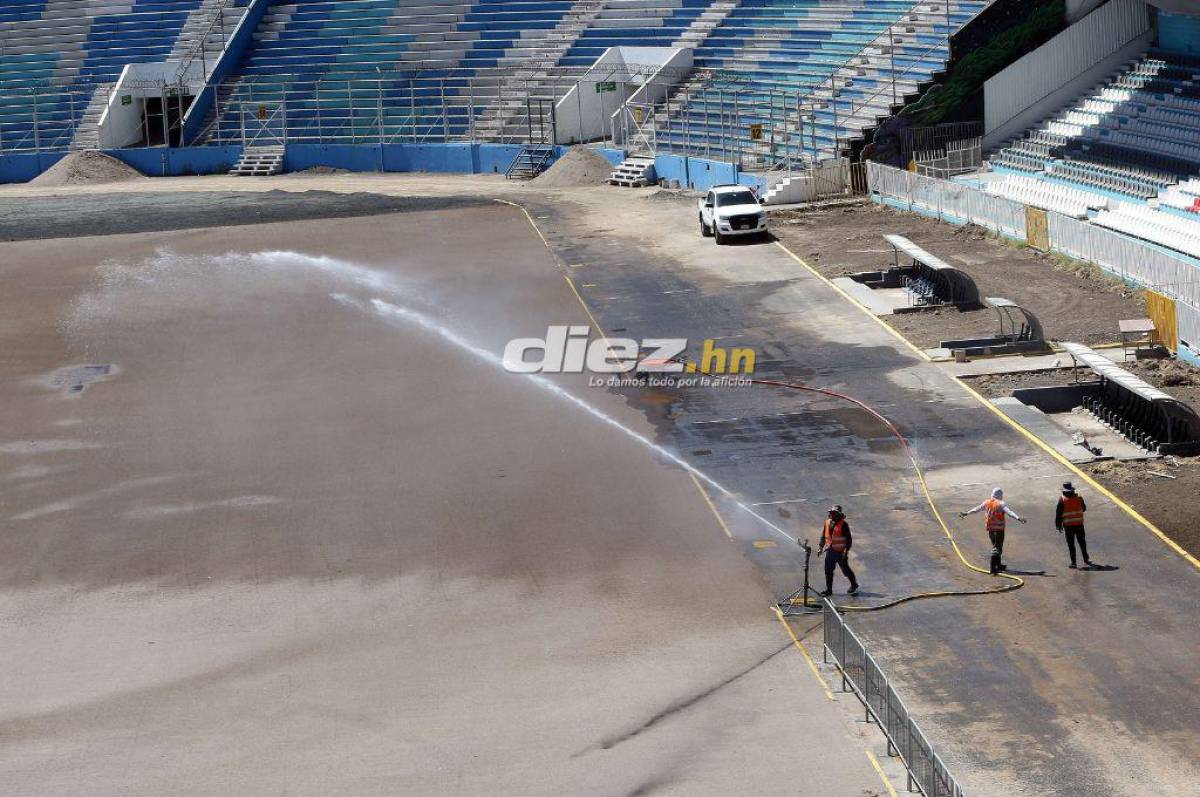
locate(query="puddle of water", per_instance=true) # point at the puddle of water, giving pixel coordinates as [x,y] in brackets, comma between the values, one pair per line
[73,379]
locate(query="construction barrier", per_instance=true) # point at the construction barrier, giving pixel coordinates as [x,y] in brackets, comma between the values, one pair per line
[1037,229]
[862,675]
[1161,310]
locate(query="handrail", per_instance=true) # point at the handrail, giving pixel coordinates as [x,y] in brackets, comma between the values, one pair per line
[833,76]
[199,49]
[891,86]
[889,32]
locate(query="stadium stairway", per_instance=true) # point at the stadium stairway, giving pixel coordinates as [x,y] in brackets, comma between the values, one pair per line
[541,82]
[58,59]
[259,161]
[413,70]
[439,67]
[772,57]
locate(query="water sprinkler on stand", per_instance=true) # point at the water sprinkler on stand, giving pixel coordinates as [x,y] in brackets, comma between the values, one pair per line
[797,602]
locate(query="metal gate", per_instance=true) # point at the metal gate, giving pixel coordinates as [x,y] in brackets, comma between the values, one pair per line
[263,124]
[540,116]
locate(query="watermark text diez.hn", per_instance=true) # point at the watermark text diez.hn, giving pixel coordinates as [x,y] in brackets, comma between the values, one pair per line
[658,362]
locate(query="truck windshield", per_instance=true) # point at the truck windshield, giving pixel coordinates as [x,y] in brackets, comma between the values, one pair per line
[736,198]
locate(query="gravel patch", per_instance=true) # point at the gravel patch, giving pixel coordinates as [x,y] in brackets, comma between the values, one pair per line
[580,166]
[79,168]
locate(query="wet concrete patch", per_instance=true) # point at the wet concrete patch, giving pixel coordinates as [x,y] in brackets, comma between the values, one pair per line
[33,218]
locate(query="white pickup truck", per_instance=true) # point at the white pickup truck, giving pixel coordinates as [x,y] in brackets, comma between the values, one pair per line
[731,210]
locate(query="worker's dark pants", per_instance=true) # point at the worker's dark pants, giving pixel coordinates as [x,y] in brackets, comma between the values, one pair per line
[997,540]
[1075,533]
[834,559]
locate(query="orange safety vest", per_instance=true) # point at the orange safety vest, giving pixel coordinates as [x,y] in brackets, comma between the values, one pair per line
[1072,511]
[994,512]
[835,536]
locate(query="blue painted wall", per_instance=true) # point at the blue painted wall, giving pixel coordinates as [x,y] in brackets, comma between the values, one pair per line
[178,161]
[615,156]
[1189,355]
[757,183]
[242,36]
[1179,33]
[356,158]
[496,158]
[21,167]
[444,158]
[697,173]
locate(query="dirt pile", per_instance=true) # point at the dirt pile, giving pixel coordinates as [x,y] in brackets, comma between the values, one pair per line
[1167,373]
[318,171]
[669,195]
[79,168]
[580,166]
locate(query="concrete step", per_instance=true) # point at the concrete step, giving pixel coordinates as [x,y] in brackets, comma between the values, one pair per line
[634,171]
[259,162]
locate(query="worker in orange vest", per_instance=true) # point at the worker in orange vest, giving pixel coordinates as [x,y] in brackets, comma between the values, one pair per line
[1068,518]
[836,542]
[995,510]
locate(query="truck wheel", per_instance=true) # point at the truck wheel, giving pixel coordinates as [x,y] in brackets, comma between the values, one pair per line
[704,233]
[720,239]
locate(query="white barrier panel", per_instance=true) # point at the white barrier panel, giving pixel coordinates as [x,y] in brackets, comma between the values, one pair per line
[948,200]
[1128,258]
[1187,322]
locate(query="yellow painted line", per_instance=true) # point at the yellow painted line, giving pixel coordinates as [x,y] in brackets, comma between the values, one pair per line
[895,333]
[567,277]
[1133,513]
[882,775]
[765,544]
[604,335]
[532,223]
[1095,485]
[812,665]
[583,304]
[711,505]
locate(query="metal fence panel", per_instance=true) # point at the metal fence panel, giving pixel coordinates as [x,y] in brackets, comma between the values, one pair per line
[947,200]
[862,674]
[1134,261]
[1187,320]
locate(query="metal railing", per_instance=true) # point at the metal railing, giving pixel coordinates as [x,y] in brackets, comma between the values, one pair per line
[862,675]
[711,114]
[47,115]
[957,157]
[413,106]
[205,51]
[944,135]
[1136,262]
[847,72]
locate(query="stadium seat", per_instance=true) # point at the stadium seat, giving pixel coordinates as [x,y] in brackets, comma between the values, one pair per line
[57,58]
[1134,138]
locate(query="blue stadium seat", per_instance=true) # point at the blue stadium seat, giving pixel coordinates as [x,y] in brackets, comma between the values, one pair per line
[54,57]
